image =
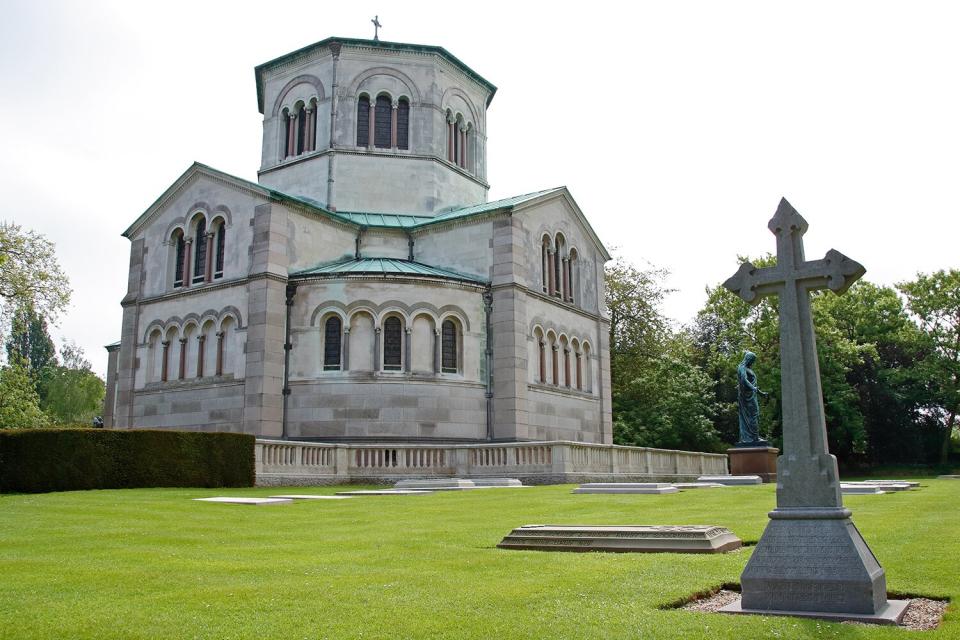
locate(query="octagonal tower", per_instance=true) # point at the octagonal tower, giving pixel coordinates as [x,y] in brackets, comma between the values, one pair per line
[371,126]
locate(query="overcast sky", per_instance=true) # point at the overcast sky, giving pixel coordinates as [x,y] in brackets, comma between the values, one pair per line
[676,125]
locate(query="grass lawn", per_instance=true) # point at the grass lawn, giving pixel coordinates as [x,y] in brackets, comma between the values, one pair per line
[154,564]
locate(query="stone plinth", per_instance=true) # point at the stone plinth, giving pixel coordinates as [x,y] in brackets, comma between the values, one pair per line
[256,502]
[892,613]
[626,487]
[759,461]
[731,481]
[910,484]
[436,484]
[635,539]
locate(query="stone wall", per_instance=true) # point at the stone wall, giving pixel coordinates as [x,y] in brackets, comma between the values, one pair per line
[280,463]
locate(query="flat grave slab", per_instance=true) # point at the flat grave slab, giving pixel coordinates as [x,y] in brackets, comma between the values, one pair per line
[861,489]
[731,481]
[698,485]
[383,492]
[250,501]
[891,613]
[913,484]
[886,486]
[626,487]
[436,484]
[623,539]
[310,497]
[949,477]
[486,483]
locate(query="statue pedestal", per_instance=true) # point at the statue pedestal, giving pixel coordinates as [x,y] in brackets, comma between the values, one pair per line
[754,461]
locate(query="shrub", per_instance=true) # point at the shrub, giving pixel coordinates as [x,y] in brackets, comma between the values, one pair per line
[40,460]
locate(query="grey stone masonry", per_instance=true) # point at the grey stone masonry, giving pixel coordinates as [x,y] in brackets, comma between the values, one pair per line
[127,358]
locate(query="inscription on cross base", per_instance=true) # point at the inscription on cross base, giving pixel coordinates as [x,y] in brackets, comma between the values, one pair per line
[807,473]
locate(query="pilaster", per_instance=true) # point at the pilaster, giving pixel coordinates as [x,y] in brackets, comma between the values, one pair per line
[127,357]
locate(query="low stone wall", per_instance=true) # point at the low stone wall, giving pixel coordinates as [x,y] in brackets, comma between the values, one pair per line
[285,463]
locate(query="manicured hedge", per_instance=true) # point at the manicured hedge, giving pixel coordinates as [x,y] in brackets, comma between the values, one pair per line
[39,460]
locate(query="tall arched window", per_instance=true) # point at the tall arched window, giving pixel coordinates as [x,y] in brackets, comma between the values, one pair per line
[573,276]
[392,344]
[301,129]
[457,146]
[403,124]
[449,347]
[541,356]
[332,332]
[178,256]
[221,247]
[287,134]
[363,121]
[382,122]
[558,270]
[545,260]
[200,252]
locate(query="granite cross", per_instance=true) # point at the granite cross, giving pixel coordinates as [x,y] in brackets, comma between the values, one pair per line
[807,475]
[376,27]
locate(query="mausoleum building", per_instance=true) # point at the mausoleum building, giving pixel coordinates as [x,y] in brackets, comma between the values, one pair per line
[364,288]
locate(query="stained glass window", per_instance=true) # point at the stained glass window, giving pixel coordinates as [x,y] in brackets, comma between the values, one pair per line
[382,123]
[403,125]
[392,343]
[449,347]
[331,344]
[363,121]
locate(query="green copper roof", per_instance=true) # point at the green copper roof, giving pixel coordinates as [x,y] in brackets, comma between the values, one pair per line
[414,221]
[385,267]
[377,44]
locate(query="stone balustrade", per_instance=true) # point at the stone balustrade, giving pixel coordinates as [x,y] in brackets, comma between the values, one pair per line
[280,462]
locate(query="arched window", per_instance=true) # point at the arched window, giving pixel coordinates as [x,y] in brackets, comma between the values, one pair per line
[457,142]
[332,331]
[450,126]
[541,356]
[579,356]
[558,270]
[178,256]
[403,124]
[573,275]
[363,121]
[392,344]
[287,134]
[382,122]
[301,129]
[200,252]
[449,347]
[221,245]
[545,260]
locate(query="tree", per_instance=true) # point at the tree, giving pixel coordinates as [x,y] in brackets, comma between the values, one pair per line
[934,300]
[30,343]
[74,394]
[660,398]
[19,404]
[29,272]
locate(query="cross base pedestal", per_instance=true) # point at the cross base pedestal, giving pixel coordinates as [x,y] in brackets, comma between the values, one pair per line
[754,461]
[891,614]
[813,560]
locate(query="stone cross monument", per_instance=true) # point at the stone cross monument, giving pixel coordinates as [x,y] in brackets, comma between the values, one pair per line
[811,559]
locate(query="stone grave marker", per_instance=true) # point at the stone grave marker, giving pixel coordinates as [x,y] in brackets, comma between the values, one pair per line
[811,560]
[384,492]
[257,502]
[626,487]
[436,484]
[732,481]
[698,485]
[487,483]
[636,539]
[306,496]
[862,489]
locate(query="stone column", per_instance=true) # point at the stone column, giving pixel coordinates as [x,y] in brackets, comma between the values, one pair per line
[219,353]
[556,363]
[208,266]
[566,367]
[201,340]
[183,359]
[406,347]
[376,348]
[345,365]
[437,346]
[187,244]
[393,124]
[165,363]
[370,124]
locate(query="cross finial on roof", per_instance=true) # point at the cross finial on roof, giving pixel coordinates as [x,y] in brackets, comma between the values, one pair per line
[376,27]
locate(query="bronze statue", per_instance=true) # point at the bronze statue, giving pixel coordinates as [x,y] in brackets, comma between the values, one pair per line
[749,406]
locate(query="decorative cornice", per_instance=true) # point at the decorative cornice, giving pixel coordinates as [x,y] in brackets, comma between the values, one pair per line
[554,301]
